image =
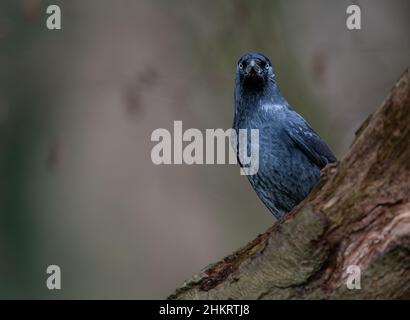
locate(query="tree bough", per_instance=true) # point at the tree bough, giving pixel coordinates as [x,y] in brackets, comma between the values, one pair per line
[358,214]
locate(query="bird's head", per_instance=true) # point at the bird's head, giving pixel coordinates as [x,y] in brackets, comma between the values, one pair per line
[254,71]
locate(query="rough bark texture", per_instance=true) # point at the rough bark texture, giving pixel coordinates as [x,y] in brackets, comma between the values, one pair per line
[359,214]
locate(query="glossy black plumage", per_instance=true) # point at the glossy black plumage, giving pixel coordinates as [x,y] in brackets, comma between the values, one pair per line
[291,153]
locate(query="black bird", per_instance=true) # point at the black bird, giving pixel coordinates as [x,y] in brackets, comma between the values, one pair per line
[291,153]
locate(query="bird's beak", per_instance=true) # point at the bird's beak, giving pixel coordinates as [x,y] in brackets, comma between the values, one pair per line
[253,68]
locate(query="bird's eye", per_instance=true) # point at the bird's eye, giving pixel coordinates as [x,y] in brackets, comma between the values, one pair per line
[240,65]
[267,66]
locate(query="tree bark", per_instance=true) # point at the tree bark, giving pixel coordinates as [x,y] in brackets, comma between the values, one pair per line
[357,215]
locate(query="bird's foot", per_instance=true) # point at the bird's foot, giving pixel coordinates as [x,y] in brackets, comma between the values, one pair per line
[329,168]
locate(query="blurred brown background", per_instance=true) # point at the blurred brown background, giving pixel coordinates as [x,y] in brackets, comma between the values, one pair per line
[78,106]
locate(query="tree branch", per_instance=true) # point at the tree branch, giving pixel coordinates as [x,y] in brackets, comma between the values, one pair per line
[358,214]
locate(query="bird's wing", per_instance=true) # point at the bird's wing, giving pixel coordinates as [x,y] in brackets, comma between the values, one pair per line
[309,142]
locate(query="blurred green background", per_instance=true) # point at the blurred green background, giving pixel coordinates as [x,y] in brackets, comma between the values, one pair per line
[78,106]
